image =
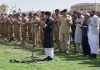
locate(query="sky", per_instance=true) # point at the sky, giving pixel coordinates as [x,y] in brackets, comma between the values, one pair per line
[29,5]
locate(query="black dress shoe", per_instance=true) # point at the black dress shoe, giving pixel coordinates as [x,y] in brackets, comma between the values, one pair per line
[45,59]
[93,56]
[10,39]
[14,61]
[48,58]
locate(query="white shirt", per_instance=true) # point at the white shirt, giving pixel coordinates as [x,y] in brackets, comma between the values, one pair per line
[95,24]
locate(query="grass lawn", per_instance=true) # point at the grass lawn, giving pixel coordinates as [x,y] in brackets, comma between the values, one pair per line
[62,61]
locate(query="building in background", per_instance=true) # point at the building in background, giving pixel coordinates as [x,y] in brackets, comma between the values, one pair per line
[86,7]
[4,9]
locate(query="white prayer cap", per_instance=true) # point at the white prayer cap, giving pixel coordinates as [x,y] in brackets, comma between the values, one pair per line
[87,14]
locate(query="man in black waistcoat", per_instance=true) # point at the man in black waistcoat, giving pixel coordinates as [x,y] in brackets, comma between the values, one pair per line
[48,36]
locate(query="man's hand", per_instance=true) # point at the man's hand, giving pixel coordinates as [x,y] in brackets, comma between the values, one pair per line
[43,24]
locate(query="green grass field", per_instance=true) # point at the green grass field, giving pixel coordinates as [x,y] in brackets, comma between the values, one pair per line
[62,61]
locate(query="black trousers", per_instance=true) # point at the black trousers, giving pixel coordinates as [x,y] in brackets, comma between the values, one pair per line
[85,45]
[73,36]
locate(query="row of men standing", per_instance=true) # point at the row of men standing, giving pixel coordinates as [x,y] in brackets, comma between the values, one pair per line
[19,27]
[87,34]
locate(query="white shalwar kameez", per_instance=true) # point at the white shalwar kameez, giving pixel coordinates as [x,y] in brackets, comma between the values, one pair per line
[93,35]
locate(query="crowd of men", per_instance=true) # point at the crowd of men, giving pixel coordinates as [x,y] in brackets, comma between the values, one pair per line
[59,28]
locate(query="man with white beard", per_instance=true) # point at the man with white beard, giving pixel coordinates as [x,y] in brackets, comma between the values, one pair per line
[93,35]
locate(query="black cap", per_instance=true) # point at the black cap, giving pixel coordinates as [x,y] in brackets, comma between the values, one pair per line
[23,14]
[42,12]
[57,10]
[65,10]
[30,14]
[48,13]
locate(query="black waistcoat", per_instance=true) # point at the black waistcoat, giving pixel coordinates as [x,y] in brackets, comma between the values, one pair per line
[48,34]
